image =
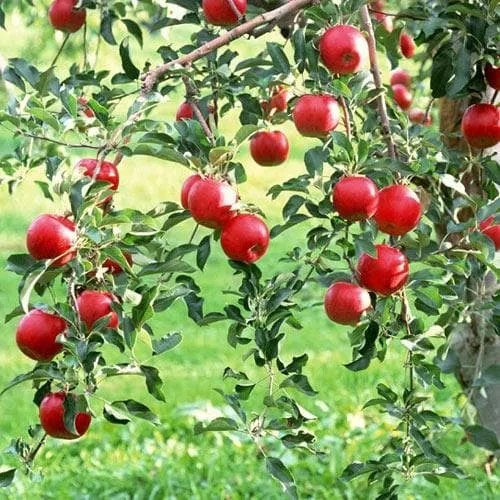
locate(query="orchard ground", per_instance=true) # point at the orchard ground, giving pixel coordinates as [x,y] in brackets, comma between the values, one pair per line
[143,461]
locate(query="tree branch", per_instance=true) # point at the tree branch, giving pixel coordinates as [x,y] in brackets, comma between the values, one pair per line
[60,143]
[382,108]
[193,101]
[153,76]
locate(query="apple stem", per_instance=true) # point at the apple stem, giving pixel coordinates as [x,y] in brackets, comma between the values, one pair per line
[154,75]
[428,110]
[59,52]
[494,97]
[382,107]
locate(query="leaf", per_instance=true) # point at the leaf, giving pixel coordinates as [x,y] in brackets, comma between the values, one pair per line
[154,383]
[45,117]
[137,410]
[203,252]
[299,382]
[20,263]
[280,61]
[482,437]
[128,66]
[6,477]
[36,374]
[166,343]
[218,424]
[452,183]
[113,415]
[162,152]
[244,133]
[277,469]
[106,30]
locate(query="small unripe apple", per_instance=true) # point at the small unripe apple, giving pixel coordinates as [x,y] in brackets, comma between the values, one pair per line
[37,332]
[492,230]
[492,75]
[52,417]
[417,115]
[402,96]
[51,236]
[316,115]
[355,198]
[385,274]
[269,148]
[103,171]
[220,13]
[343,49]
[245,238]
[186,188]
[481,125]
[399,210]
[86,110]
[211,202]
[64,17]
[92,305]
[401,77]
[407,45]
[345,303]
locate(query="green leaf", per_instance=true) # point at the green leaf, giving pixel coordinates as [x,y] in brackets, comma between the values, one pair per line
[280,61]
[244,133]
[277,469]
[154,383]
[203,252]
[20,263]
[299,382]
[113,415]
[218,424]
[6,477]
[136,409]
[45,117]
[166,343]
[482,437]
[162,152]
[128,66]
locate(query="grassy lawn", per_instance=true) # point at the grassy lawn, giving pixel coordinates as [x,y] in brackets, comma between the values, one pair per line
[140,461]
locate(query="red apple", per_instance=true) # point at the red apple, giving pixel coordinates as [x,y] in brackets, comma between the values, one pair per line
[93,305]
[245,238]
[343,49]
[113,267]
[345,303]
[86,110]
[481,125]
[401,77]
[316,115]
[492,75]
[417,115]
[220,13]
[103,171]
[491,230]
[37,332]
[184,112]
[399,210]
[52,417]
[269,148]
[385,274]
[355,198]
[279,100]
[51,236]
[211,202]
[407,45]
[186,188]
[402,96]
[64,17]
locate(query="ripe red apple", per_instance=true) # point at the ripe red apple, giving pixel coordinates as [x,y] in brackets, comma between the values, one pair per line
[491,230]
[51,236]
[402,96]
[37,332]
[399,210]
[211,202]
[343,49]
[106,172]
[184,112]
[245,238]
[385,274]
[316,115]
[86,110]
[220,13]
[417,115]
[481,125]
[345,303]
[269,148]
[64,17]
[401,77]
[407,45]
[52,417]
[186,188]
[279,100]
[355,198]
[492,75]
[113,267]
[92,305]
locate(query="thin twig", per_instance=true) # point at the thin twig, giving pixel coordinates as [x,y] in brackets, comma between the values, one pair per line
[60,143]
[193,101]
[347,120]
[59,52]
[153,76]
[382,108]
[35,450]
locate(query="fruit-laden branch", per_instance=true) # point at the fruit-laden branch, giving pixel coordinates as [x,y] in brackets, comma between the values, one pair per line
[153,76]
[382,108]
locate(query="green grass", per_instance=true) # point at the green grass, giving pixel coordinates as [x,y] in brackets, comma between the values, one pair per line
[140,461]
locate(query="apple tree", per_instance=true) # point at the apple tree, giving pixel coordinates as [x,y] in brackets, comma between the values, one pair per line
[400,215]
